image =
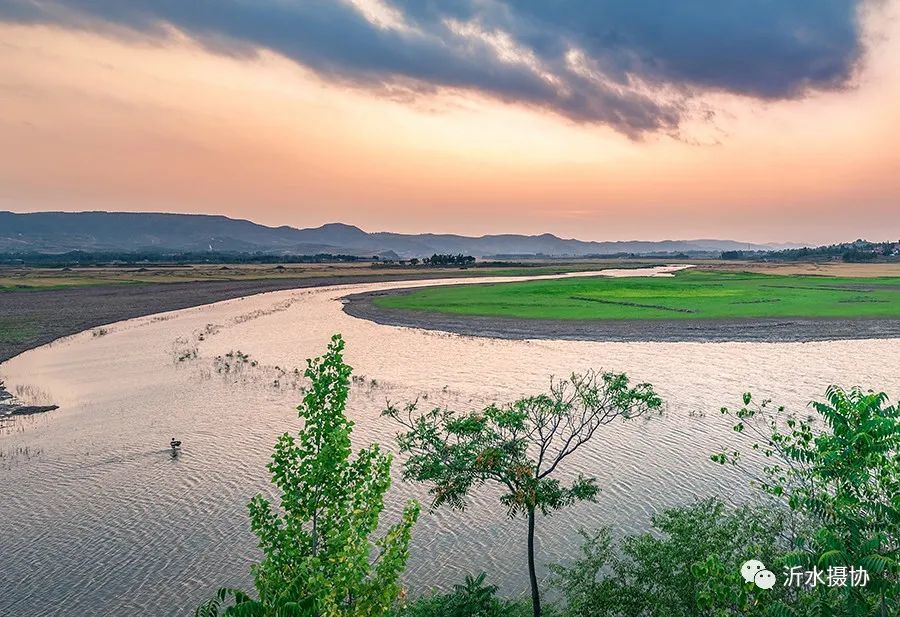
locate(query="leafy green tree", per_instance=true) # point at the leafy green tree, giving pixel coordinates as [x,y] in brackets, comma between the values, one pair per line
[676,570]
[317,554]
[841,482]
[448,260]
[518,446]
[473,598]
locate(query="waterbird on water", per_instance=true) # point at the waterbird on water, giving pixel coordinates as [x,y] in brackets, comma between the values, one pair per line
[175,444]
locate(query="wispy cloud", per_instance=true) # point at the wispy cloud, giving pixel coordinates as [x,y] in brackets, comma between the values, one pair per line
[634,66]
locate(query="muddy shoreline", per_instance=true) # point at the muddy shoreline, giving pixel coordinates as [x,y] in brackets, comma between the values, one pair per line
[55,313]
[10,406]
[769,330]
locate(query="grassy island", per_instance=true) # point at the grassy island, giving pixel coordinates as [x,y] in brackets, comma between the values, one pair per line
[690,294]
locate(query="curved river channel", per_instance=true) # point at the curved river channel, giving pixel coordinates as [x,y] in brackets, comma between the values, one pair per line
[98,519]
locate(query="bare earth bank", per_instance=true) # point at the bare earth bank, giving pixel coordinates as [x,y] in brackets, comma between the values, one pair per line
[46,315]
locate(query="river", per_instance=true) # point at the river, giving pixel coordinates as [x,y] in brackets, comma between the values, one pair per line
[99,519]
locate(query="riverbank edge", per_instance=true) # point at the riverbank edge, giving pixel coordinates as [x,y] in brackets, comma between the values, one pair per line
[57,313]
[763,330]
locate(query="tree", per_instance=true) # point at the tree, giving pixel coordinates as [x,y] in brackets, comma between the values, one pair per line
[459,259]
[843,483]
[316,547]
[518,446]
[688,566]
[473,598]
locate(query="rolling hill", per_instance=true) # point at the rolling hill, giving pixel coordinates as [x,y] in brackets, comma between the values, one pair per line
[54,232]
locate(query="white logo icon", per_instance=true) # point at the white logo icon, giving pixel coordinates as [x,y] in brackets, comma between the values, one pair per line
[754,571]
[750,568]
[764,579]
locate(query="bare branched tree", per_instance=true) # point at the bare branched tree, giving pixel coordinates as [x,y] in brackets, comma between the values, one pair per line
[519,446]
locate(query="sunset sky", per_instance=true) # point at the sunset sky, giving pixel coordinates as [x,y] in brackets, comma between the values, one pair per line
[754,120]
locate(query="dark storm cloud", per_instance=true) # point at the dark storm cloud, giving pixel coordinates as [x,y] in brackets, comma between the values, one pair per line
[633,65]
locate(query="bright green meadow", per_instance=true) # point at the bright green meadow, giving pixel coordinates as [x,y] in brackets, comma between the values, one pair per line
[690,294]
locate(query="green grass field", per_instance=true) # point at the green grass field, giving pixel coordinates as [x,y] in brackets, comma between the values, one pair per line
[691,294]
[16,329]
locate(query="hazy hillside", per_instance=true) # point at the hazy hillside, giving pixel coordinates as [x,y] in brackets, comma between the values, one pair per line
[125,231]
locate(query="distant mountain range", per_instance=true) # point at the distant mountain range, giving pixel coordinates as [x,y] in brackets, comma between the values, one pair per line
[57,232]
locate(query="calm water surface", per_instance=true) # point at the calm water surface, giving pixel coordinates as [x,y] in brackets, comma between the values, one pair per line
[98,519]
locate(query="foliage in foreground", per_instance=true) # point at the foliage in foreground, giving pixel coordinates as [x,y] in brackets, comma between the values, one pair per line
[316,547]
[518,446]
[830,498]
[842,484]
[838,486]
[473,598]
[669,572]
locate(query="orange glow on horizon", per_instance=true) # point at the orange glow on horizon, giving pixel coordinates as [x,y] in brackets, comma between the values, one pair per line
[90,122]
